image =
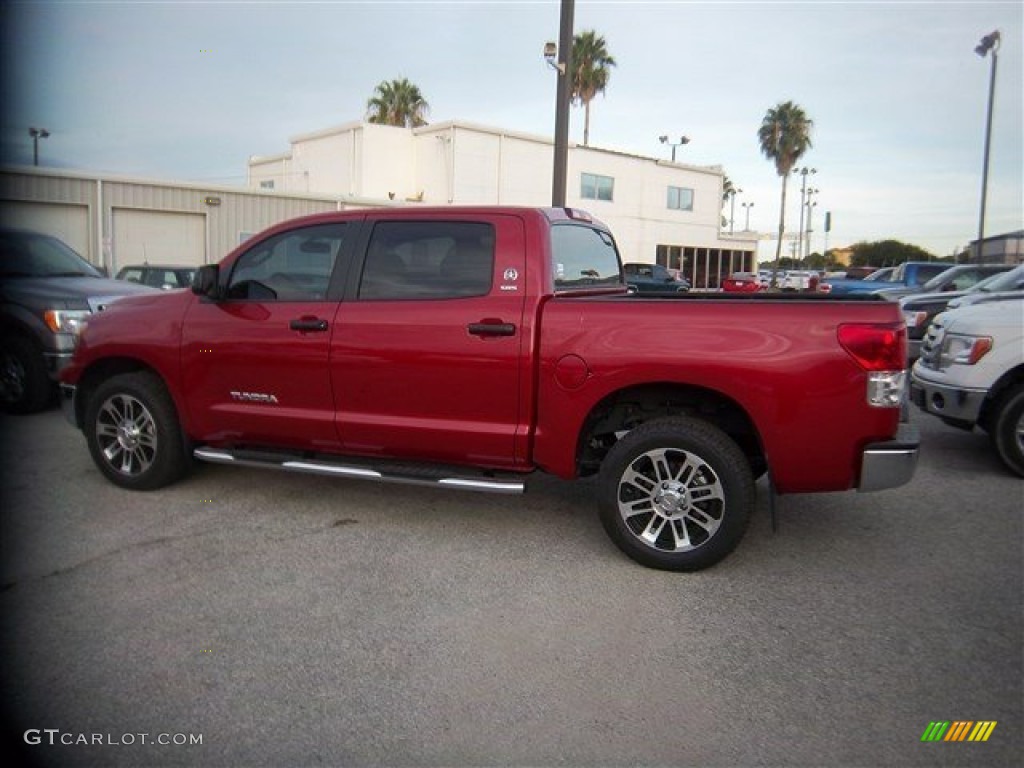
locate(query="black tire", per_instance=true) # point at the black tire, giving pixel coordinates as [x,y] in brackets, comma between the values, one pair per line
[132,428]
[648,482]
[1008,429]
[25,387]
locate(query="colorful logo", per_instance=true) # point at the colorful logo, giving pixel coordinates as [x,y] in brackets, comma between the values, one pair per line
[958,730]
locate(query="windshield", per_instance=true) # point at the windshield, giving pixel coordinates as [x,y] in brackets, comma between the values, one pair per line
[1003,281]
[583,257]
[880,275]
[26,254]
[935,284]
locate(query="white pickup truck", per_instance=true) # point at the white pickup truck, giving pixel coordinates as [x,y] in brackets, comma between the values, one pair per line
[971,373]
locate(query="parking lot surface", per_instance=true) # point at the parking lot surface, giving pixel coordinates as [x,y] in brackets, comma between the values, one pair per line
[288,620]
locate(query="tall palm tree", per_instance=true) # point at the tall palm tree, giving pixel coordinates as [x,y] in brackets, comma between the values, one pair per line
[785,134]
[397,102]
[591,69]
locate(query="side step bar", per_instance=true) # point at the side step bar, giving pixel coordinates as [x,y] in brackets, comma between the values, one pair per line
[408,474]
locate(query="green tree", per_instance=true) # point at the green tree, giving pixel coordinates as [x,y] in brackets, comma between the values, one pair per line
[397,102]
[886,253]
[591,69]
[785,135]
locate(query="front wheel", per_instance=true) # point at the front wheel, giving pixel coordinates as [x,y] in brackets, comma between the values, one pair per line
[676,494]
[1008,429]
[24,384]
[131,426]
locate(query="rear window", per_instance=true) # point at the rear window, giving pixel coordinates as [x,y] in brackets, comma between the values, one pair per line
[583,257]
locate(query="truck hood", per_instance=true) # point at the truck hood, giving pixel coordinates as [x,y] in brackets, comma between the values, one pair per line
[925,299]
[999,318]
[69,292]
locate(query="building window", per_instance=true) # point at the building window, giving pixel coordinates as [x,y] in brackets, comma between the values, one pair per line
[596,187]
[267,184]
[680,199]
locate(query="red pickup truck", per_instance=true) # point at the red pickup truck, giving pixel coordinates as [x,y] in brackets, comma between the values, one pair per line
[468,347]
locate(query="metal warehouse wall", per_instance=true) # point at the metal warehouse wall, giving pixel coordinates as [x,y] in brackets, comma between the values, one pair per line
[229,214]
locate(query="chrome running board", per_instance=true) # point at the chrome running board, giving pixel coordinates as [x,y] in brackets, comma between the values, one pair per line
[407,474]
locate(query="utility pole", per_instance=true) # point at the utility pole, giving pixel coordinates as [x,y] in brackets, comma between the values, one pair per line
[563,98]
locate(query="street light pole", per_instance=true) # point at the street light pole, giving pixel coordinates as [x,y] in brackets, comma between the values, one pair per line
[748,206]
[807,240]
[562,99]
[732,206]
[988,43]
[682,140]
[803,200]
[37,134]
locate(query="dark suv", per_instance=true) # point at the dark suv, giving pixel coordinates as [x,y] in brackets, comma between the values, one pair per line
[47,292]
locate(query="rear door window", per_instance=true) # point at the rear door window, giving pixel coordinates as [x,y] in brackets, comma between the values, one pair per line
[409,260]
[583,257]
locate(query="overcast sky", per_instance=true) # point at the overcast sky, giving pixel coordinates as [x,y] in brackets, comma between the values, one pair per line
[188,91]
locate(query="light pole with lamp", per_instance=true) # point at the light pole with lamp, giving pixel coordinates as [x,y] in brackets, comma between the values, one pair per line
[748,206]
[732,206]
[37,134]
[804,172]
[988,43]
[682,140]
[807,241]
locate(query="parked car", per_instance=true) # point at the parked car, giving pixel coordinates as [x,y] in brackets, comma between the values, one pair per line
[468,347]
[908,273]
[837,286]
[654,278]
[859,273]
[921,308]
[800,280]
[742,282]
[971,374]
[47,293]
[163,276]
[1007,285]
[956,278]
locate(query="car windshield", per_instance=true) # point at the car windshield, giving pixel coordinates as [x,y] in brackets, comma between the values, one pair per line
[936,283]
[1002,281]
[880,275]
[25,254]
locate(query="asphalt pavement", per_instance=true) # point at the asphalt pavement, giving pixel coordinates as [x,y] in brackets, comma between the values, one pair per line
[287,620]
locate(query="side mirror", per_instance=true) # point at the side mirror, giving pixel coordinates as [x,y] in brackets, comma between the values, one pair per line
[207,281]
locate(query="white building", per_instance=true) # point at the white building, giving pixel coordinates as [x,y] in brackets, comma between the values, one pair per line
[663,212]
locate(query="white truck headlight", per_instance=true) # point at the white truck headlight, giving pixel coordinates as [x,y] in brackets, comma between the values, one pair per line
[958,349]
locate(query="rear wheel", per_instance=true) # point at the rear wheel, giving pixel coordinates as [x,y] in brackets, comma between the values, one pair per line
[131,426]
[1008,429]
[25,386]
[676,494]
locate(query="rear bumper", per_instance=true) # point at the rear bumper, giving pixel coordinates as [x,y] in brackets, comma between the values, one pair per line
[891,463]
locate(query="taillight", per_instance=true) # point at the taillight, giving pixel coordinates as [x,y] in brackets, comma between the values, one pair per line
[875,347]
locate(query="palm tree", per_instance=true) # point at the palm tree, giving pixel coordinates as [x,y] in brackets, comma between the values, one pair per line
[397,102]
[591,68]
[785,135]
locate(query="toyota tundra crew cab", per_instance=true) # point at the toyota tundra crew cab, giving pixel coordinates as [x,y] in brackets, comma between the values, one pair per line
[469,347]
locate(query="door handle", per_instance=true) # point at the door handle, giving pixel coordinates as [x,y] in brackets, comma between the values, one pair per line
[308,324]
[491,328]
